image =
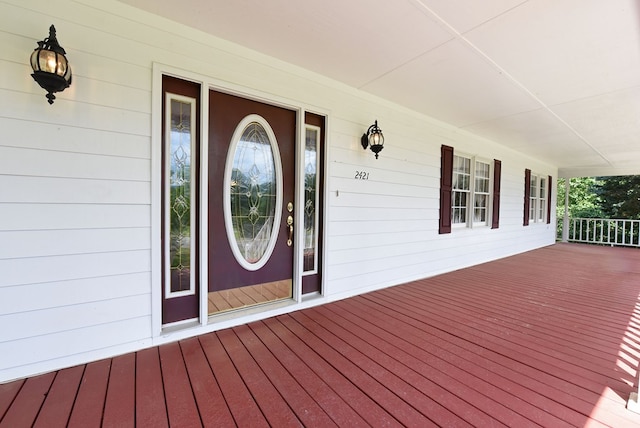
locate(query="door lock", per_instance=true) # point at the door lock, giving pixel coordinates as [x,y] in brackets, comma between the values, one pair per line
[290,224]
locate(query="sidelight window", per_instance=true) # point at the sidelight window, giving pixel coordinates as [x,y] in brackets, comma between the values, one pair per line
[180,195]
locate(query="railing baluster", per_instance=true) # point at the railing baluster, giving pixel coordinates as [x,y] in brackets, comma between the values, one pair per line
[602,231]
[625,232]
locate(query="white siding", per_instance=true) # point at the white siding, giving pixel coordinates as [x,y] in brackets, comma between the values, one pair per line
[76,181]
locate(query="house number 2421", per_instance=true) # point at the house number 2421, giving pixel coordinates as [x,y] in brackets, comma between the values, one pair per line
[361,175]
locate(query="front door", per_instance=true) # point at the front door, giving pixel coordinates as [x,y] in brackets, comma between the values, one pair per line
[251,202]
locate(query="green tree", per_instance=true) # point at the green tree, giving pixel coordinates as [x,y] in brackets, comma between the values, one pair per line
[584,199]
[620,196]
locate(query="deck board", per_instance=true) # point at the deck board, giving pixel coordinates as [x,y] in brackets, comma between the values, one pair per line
[25,407]
[516,348]
[120,403]
[181,405]
[406,358]
[509,336]
[151,409]
[60,398]
[275,409]
[548,338]
[209,399]
[302,404]
[330,401]
[366,408]
[243,407]
[89,405]
[8,392]
[378,383]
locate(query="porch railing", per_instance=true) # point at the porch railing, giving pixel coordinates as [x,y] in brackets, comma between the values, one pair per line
[614,232]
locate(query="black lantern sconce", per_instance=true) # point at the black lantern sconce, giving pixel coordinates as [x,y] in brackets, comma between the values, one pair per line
[50,66]
[373,138]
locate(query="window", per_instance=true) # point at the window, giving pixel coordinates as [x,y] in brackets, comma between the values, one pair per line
[537,195]
[533,193]
[542,199]
[466,192]
[461,189]
[481,193]
[471,191]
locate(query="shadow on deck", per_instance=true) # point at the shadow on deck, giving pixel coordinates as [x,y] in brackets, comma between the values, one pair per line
[546,338]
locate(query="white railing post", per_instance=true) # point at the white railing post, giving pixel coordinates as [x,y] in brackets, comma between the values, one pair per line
[633,403]
[565,220]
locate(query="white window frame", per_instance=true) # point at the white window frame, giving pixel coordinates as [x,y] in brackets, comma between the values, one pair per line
[471,192]
[538,198]
[476,192]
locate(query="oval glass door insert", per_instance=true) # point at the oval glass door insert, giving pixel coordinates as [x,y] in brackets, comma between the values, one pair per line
[253,192]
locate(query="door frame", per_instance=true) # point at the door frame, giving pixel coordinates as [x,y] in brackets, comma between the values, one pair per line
[163,333]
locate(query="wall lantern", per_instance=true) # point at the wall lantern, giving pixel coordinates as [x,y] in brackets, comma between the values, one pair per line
[50,66]
[373,138]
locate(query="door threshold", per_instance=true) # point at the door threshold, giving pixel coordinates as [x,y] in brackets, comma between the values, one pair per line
[250,310]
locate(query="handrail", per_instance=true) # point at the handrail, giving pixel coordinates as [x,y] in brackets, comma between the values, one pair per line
[605,231]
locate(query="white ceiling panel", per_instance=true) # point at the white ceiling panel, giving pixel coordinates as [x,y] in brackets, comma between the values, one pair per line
[541,135]
[566,50]
[353,41]
[555,79]
[610,122]
[463,15]
[441,84]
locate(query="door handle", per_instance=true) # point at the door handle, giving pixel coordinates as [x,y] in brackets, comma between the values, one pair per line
[290,224]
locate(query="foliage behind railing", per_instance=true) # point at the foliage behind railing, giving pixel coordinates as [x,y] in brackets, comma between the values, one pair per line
[614,232]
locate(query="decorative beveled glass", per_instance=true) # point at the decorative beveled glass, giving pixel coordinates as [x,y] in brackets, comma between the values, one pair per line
[253,192]
[311,194]
[180,195]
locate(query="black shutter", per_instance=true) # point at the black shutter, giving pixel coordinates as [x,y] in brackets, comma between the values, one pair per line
[495,214]
[527,195]
[549,200]
[446,178]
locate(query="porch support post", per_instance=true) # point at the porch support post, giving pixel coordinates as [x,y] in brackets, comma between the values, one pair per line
[565,220]
[633,404]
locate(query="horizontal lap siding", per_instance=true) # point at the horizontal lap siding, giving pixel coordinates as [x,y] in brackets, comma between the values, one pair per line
[76,177]
[384,230]
[65,318]
[75,207]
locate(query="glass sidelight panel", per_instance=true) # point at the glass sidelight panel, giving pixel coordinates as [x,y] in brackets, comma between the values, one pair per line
[311,194]
[179,210]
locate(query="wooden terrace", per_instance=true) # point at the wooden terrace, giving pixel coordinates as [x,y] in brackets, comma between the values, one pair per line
[548,338]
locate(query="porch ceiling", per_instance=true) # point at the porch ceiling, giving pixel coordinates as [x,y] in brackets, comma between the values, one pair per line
[559,81]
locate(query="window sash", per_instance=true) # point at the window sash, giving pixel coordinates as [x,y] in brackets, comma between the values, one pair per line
[542,200]
[538,199]
[482,194]
[471,193]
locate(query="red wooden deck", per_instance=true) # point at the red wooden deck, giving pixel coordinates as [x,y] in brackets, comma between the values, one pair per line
[548,338]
